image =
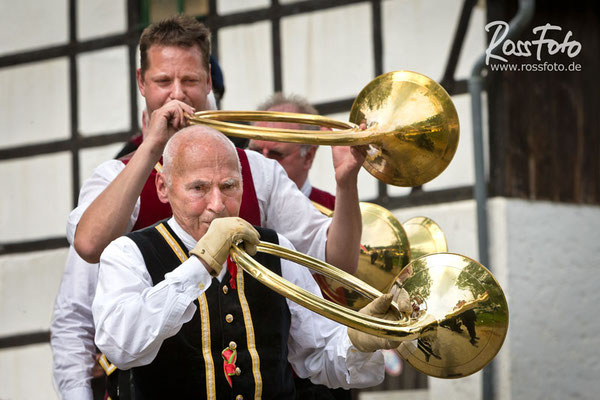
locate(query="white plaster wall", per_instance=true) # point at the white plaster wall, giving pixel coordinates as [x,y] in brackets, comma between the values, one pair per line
[28,286]
[40,197]
[419,33]
[26,373]
[100,18]
[232,6]
[103,83]
[32,24]
[245,59]
[35,108]
[327,55]
[548,256]
[34,102]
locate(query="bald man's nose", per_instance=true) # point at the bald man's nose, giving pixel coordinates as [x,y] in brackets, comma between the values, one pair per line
[216,201]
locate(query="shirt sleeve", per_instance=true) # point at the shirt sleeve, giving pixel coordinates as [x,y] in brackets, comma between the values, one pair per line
[102,176]
[132,316]
[72,329]
[319,348]
[285,209]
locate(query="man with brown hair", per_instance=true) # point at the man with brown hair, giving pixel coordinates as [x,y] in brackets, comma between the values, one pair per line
[175,82]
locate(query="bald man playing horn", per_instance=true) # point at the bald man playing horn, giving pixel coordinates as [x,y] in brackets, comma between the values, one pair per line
[172,306]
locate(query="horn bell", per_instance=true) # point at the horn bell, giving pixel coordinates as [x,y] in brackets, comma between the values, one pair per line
[416,123]
[412,127]
[384,251]
[471,310]
[425,237]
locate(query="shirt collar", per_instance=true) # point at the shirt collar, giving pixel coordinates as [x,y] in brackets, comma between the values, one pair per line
[306,188]
[185,237]
[188,240]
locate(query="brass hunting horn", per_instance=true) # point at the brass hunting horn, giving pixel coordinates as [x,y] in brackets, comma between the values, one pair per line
[460,316]
[412,127]
[386,246]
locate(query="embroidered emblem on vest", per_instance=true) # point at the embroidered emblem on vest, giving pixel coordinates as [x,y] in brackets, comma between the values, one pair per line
[229,359]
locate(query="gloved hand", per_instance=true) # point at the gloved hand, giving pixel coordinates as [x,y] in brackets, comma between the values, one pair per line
[213,247]
[380,307]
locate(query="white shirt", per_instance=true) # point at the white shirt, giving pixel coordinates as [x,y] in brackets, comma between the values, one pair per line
[72,329]
[133,317]
[283,208]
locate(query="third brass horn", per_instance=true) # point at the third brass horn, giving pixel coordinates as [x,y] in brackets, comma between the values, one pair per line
[412,127]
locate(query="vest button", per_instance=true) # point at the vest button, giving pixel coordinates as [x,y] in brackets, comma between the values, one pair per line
[232,345]
[239,397]
[238,371]
[229,318]
[225,289]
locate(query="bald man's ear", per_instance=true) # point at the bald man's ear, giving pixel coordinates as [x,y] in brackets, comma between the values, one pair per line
[161,187]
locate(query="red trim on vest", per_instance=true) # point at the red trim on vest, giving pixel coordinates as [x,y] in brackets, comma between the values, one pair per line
[249,210]
[137,140]
[323,198]
[153,210]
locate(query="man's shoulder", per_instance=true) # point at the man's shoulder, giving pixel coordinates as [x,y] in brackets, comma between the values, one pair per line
[149,231]
[105,172]
[257,159]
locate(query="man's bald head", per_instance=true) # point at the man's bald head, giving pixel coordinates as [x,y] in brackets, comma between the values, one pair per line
[198,140]
[201,178]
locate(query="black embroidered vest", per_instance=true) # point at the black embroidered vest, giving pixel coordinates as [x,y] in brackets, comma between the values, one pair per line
[251,319]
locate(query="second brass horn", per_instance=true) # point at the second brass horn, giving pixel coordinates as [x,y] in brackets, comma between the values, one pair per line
[412,127]
[386,247]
